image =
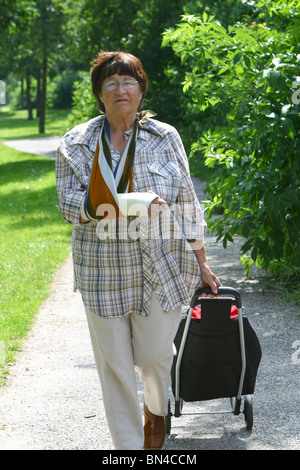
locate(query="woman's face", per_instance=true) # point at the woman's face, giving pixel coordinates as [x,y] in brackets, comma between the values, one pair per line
[121,94]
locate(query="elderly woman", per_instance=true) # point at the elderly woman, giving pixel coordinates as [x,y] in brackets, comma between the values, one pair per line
[123,183]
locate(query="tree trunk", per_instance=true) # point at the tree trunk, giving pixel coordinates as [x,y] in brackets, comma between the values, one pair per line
[22,94]
[28,94]
[38,94]
[43,97]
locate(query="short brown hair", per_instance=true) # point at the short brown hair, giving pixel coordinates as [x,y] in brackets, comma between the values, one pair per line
[122,63]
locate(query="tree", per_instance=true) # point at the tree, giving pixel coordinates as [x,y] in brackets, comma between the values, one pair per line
[161,65]
[48,29]
[98,24]
[141,35]
[31,39]
[245,73]
[16,53]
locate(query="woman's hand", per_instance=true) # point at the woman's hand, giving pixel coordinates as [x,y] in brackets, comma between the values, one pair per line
[83,221]
[209,279]
[156,207]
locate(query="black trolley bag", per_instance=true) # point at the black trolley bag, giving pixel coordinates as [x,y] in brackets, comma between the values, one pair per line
[217,356]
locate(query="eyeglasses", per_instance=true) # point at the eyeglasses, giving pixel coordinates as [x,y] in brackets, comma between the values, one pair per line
[112,85]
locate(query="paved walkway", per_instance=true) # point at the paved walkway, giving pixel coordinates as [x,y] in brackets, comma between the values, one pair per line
[45,146]
[53,400]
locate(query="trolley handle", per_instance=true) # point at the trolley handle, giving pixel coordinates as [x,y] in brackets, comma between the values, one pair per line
[221,290]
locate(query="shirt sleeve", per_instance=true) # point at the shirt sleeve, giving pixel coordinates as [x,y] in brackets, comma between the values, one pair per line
[188,205]
[71,187]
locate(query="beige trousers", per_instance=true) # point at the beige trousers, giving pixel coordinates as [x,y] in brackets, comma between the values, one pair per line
[120,344]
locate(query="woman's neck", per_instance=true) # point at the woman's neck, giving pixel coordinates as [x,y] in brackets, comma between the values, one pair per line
[117,126]
[120,124]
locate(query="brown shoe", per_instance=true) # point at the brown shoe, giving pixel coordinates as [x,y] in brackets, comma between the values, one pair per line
[154,430]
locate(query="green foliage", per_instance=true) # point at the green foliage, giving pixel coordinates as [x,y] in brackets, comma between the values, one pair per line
[98,24]
[141,35]
[60,90]
[164,95]
[84,103]
[245,77]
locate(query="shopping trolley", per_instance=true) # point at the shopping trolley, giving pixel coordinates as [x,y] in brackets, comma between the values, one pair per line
[218,354]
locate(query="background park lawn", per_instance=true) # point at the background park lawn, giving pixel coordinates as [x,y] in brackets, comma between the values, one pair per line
[34,239]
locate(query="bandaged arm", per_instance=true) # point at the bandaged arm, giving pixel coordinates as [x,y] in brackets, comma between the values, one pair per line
[129,203]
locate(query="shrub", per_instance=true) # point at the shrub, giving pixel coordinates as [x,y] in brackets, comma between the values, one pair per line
[84,105]
[246,75]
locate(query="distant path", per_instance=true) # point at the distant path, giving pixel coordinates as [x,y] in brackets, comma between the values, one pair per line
[45,146]
[53,400]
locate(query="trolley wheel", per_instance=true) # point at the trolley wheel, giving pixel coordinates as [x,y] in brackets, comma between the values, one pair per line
[168,420]
[178,407]
[248,412]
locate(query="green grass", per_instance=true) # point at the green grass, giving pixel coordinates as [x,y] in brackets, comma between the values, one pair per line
[15,125]
[34,239]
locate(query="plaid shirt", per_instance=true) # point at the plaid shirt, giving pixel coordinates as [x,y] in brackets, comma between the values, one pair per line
[116,274]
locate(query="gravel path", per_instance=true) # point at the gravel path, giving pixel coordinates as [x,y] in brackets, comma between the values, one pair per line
[53,399]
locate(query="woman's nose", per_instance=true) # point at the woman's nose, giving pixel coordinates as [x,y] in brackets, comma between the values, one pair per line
[119,87]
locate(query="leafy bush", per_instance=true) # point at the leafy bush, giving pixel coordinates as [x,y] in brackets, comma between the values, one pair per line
[246,77]
[84,103]
[60,88]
